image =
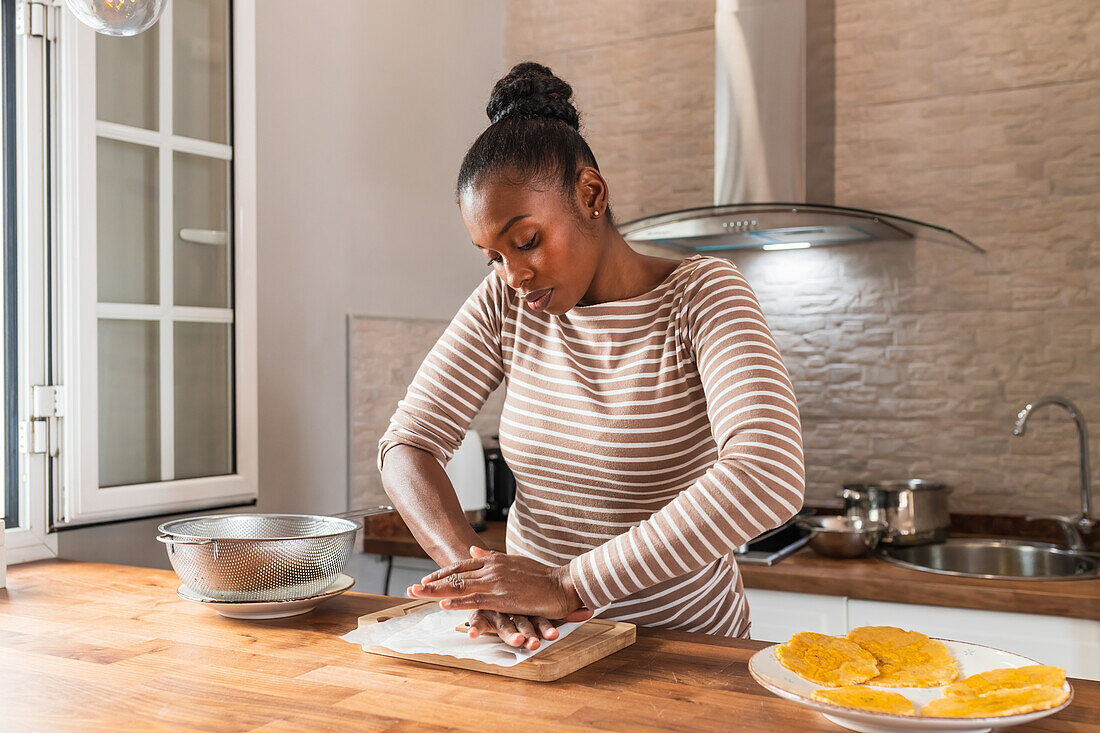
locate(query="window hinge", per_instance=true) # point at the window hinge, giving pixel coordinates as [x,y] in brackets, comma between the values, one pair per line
[36,18]
[32,436]
[46,401]
[41,433]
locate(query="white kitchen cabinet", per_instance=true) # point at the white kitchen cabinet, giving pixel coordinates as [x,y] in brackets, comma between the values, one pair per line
[1071,643]
[775,615]
[406,571]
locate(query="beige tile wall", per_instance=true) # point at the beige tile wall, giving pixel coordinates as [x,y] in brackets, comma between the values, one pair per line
[982,115]
[643,78]
[383,356]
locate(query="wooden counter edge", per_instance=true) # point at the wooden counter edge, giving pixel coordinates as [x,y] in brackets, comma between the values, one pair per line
[875,580]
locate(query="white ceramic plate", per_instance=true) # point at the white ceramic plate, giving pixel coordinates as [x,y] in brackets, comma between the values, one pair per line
[972,658]
[259,610]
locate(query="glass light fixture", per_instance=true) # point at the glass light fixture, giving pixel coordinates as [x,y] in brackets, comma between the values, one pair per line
[117,17]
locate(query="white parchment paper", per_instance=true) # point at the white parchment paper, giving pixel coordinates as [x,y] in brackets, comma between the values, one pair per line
[431,630]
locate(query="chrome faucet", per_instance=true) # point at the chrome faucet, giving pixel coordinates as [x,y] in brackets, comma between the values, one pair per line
[1073,527]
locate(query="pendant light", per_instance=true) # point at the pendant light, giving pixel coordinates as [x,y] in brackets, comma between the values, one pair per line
[117,17]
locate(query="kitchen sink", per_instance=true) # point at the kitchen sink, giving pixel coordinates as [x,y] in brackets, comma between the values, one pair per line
[994,558]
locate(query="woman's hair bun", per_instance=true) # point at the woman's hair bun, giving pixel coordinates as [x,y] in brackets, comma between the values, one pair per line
[532,89]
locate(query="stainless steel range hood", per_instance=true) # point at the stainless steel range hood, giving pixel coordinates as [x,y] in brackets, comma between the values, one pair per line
[773,112]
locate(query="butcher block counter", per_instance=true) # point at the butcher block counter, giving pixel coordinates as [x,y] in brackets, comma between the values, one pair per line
[106,647]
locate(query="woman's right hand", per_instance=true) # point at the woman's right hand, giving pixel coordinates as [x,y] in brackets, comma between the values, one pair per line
[514,630]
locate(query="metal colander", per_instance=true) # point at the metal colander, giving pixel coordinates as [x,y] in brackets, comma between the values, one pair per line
[260,557]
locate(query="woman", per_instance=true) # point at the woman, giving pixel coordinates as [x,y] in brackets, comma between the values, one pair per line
[649,420]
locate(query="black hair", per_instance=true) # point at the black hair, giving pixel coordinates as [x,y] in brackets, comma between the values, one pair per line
[533,135]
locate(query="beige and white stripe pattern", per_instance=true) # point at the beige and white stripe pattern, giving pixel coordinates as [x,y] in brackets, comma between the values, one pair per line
[649,437]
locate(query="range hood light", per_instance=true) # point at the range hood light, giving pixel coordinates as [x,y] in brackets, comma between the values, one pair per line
[785,245]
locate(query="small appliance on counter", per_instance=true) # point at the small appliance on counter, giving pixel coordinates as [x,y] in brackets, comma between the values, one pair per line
[500,484]
[466,470]
[776,544]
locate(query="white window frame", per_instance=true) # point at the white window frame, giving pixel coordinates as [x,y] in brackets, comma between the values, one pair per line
[77,498]
[31,540]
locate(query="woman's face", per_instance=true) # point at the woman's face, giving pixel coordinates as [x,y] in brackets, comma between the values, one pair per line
[535,240]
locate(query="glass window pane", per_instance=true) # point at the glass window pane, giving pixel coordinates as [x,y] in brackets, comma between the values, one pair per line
[129,405]
[202,246]
[126,222]
[200,71]
[203,399]
[126,78]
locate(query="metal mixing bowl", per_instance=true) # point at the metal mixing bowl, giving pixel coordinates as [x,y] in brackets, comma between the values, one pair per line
[838,536]
[258,557]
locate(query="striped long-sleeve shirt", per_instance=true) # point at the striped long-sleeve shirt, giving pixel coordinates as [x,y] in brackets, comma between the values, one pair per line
[648,436]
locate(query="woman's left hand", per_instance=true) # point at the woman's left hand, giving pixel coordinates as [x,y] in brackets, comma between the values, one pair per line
[507,583]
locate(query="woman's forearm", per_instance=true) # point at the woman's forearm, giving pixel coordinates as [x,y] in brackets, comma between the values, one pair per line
[423,495]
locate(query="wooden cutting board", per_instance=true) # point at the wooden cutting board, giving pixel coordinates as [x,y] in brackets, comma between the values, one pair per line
[593,640]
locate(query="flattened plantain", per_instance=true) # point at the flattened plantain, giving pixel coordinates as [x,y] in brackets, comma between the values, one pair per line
[906,658]
[997,702]
[1007,679]
[865,698]
[826,660]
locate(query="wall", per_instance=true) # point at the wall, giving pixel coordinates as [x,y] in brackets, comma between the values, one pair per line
[364,111]
[643,75]
[383,356]
[357,210]
[907,359]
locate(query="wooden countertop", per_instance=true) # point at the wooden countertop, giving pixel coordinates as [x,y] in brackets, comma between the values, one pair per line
[875,580]
[104,647]
[863,578]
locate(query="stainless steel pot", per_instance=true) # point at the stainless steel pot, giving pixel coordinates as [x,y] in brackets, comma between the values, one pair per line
[914,510]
